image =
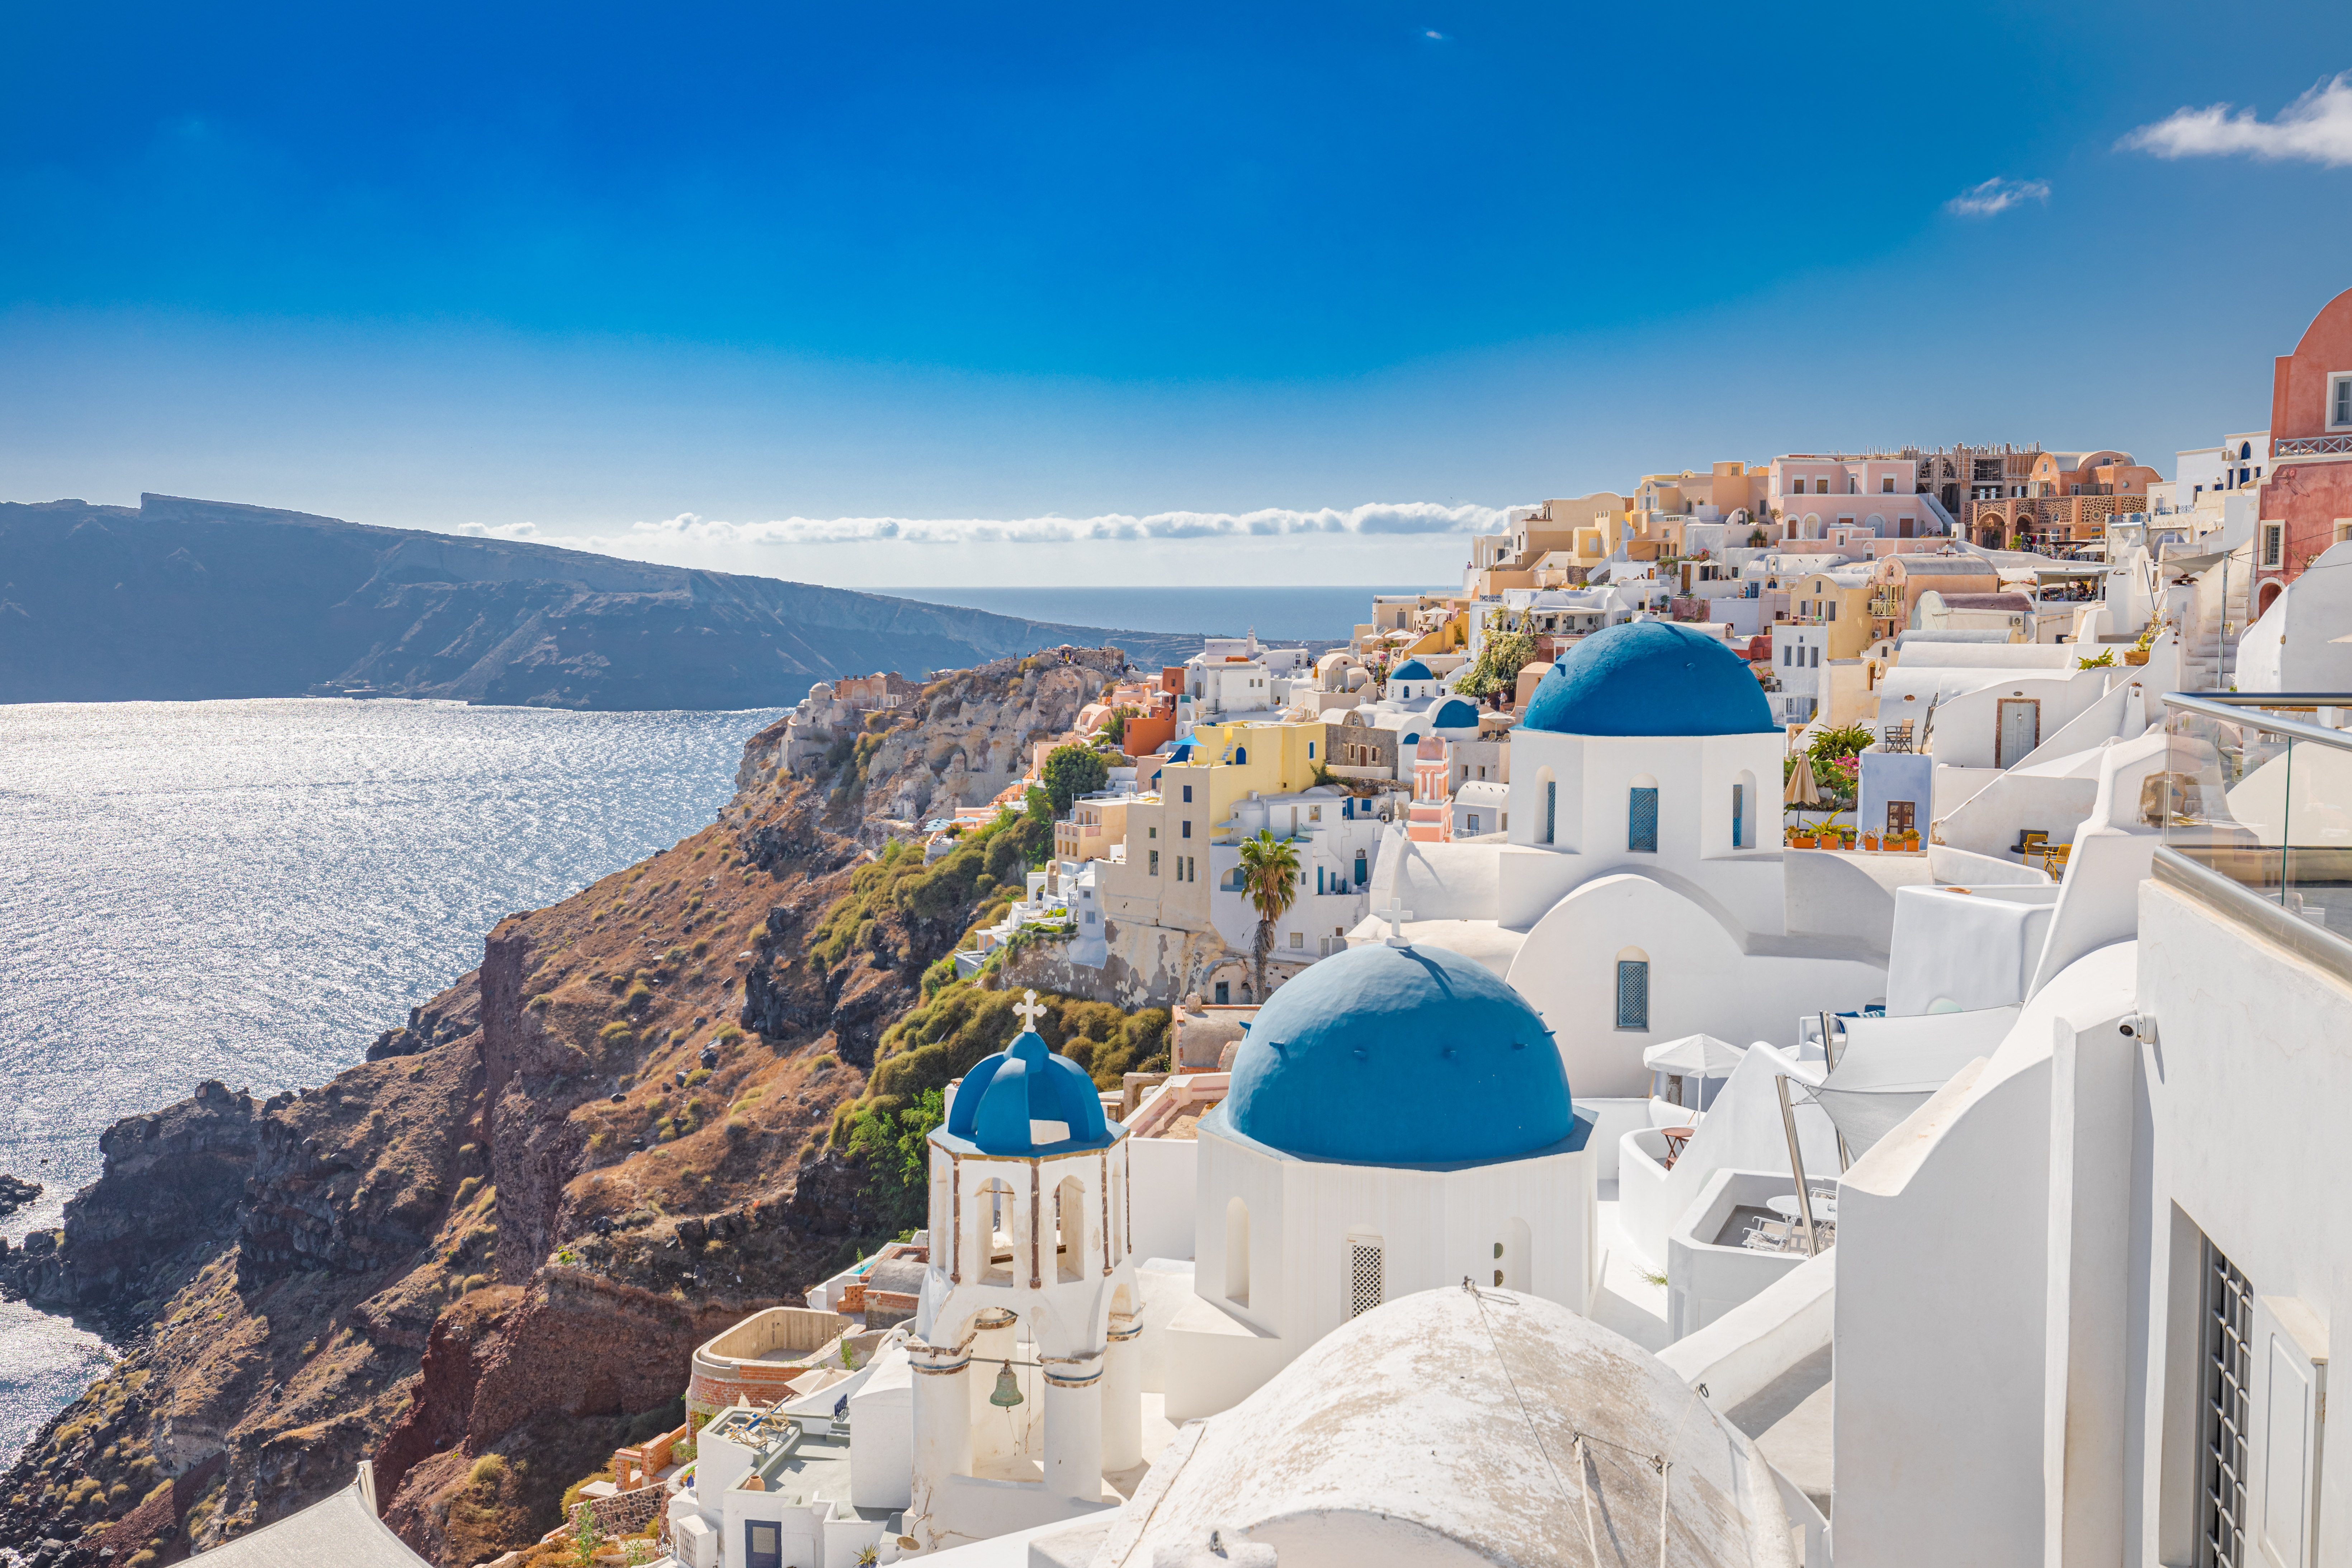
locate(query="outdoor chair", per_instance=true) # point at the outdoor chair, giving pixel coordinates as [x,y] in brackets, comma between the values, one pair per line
[1898,736]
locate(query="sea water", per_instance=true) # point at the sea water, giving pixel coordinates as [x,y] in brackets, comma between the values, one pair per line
[1277,615]
[253,891]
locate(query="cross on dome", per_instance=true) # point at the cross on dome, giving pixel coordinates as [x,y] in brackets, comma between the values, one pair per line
[1396,914]
[1030,1009]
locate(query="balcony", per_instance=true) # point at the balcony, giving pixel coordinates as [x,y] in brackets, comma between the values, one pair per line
[2255,809]
[2312,446]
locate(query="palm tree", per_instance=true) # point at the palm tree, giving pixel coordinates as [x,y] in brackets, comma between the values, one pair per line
[1270,878]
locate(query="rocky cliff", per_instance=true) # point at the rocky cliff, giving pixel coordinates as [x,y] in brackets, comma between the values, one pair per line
[481,1257]
[181,599]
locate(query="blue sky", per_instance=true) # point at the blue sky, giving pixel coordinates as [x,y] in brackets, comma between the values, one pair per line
[701,285]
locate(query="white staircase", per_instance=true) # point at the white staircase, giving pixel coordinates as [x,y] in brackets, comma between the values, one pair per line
[2209,658]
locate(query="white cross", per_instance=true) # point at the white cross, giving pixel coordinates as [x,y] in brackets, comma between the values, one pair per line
[1396,914]
[1030,1009]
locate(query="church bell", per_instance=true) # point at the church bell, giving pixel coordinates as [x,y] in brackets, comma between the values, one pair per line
[1007,1393]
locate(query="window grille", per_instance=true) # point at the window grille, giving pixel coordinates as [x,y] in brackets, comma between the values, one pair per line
[1364,1281]
[1551,811]
[1633,993]
[2221,1457]
[1642,823]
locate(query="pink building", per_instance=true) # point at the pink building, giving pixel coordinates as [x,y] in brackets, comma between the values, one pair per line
[2306,501]
[1815,495]
[1428,821]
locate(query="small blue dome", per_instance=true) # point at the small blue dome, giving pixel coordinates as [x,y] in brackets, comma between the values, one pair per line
[1454,714]
[1410,669]
[1026,1082]
[1399,1055]
[1650,677]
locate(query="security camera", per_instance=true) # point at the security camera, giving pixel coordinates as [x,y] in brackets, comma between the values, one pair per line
[2138,1026]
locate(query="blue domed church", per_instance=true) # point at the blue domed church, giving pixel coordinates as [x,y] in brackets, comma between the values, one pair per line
[1645,862]
[1398,1120]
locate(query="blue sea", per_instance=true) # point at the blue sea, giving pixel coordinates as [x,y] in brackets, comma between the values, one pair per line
[253,891]
[1285,615]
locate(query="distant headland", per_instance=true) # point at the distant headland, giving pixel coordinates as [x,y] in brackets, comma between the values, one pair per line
[183,600]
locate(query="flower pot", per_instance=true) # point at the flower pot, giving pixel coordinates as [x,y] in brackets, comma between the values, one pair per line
[2136,656]
[1870,841]
[1802,841]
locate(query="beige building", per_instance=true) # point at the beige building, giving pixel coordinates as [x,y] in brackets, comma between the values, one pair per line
[1838,602]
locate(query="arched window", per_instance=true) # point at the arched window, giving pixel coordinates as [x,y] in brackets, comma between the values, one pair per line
[1642,817]
[1070,1229]
[2246,451]
[1634,989]
[993,1226]
[1237,1252]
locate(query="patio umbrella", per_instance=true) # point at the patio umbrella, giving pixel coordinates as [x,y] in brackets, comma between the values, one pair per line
[1701,1057]
[1801,790]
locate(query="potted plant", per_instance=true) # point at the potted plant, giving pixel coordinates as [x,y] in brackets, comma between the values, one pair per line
[1801,838]
[1911,840]
[1870,841]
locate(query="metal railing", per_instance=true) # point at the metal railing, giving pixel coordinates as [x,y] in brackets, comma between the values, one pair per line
[2256,797]
[2311,447]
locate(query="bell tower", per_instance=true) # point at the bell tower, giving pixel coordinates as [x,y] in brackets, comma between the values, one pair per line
[1027,1369]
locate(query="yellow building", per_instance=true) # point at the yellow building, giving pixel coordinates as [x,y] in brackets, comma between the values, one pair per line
[1162,879]
[1838,601]
[1095,826]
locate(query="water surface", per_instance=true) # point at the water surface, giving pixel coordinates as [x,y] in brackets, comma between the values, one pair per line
[253,891]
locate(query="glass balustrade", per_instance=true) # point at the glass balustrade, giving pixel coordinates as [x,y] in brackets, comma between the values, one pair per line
[2256,789]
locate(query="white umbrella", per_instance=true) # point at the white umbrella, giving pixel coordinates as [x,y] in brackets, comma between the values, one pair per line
[1801,790]
[1701,1054]
[1701,1057]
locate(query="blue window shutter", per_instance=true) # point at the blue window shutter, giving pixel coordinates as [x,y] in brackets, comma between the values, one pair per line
[1641,822]
[1633,993]
[1739,813]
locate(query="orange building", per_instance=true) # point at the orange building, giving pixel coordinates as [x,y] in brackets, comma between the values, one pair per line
[2306,500]
[2069,496]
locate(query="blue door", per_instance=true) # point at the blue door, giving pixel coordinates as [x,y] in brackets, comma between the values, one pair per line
[1642,823]
[764,1543]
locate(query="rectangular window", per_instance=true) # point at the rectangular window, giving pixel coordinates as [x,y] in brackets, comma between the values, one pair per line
[1817,658]
[1833,607]
[1188,830]
[1155,863]
[1739,814]
[1365,1282]
[1298,938]
[1551,811]
[1633,993]
[1788,654]
[1641,822]
[2339,410]
[1886,486]
[2221,1452]
[2274,542]
[1473,821]
[1310,751]
[1188,795]
[1314,814]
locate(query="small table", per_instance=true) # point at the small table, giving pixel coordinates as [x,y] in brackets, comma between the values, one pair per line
[1675,1137]
[1785,1208]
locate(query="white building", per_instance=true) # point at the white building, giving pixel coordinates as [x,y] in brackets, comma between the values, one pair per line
[1644,860]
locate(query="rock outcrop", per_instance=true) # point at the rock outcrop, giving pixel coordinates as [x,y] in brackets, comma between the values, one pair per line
[479,1257]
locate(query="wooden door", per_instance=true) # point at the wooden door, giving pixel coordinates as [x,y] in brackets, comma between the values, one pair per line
[2020,720]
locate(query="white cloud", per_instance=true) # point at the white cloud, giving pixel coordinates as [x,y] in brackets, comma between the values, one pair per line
[1439,37]
[1998,196]
[2316,127]
[1408,518]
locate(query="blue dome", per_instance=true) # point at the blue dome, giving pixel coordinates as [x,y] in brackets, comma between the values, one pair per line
[1410,669]
[1399,1055]
[1454,714]
[1650,677]
[1026,1082]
